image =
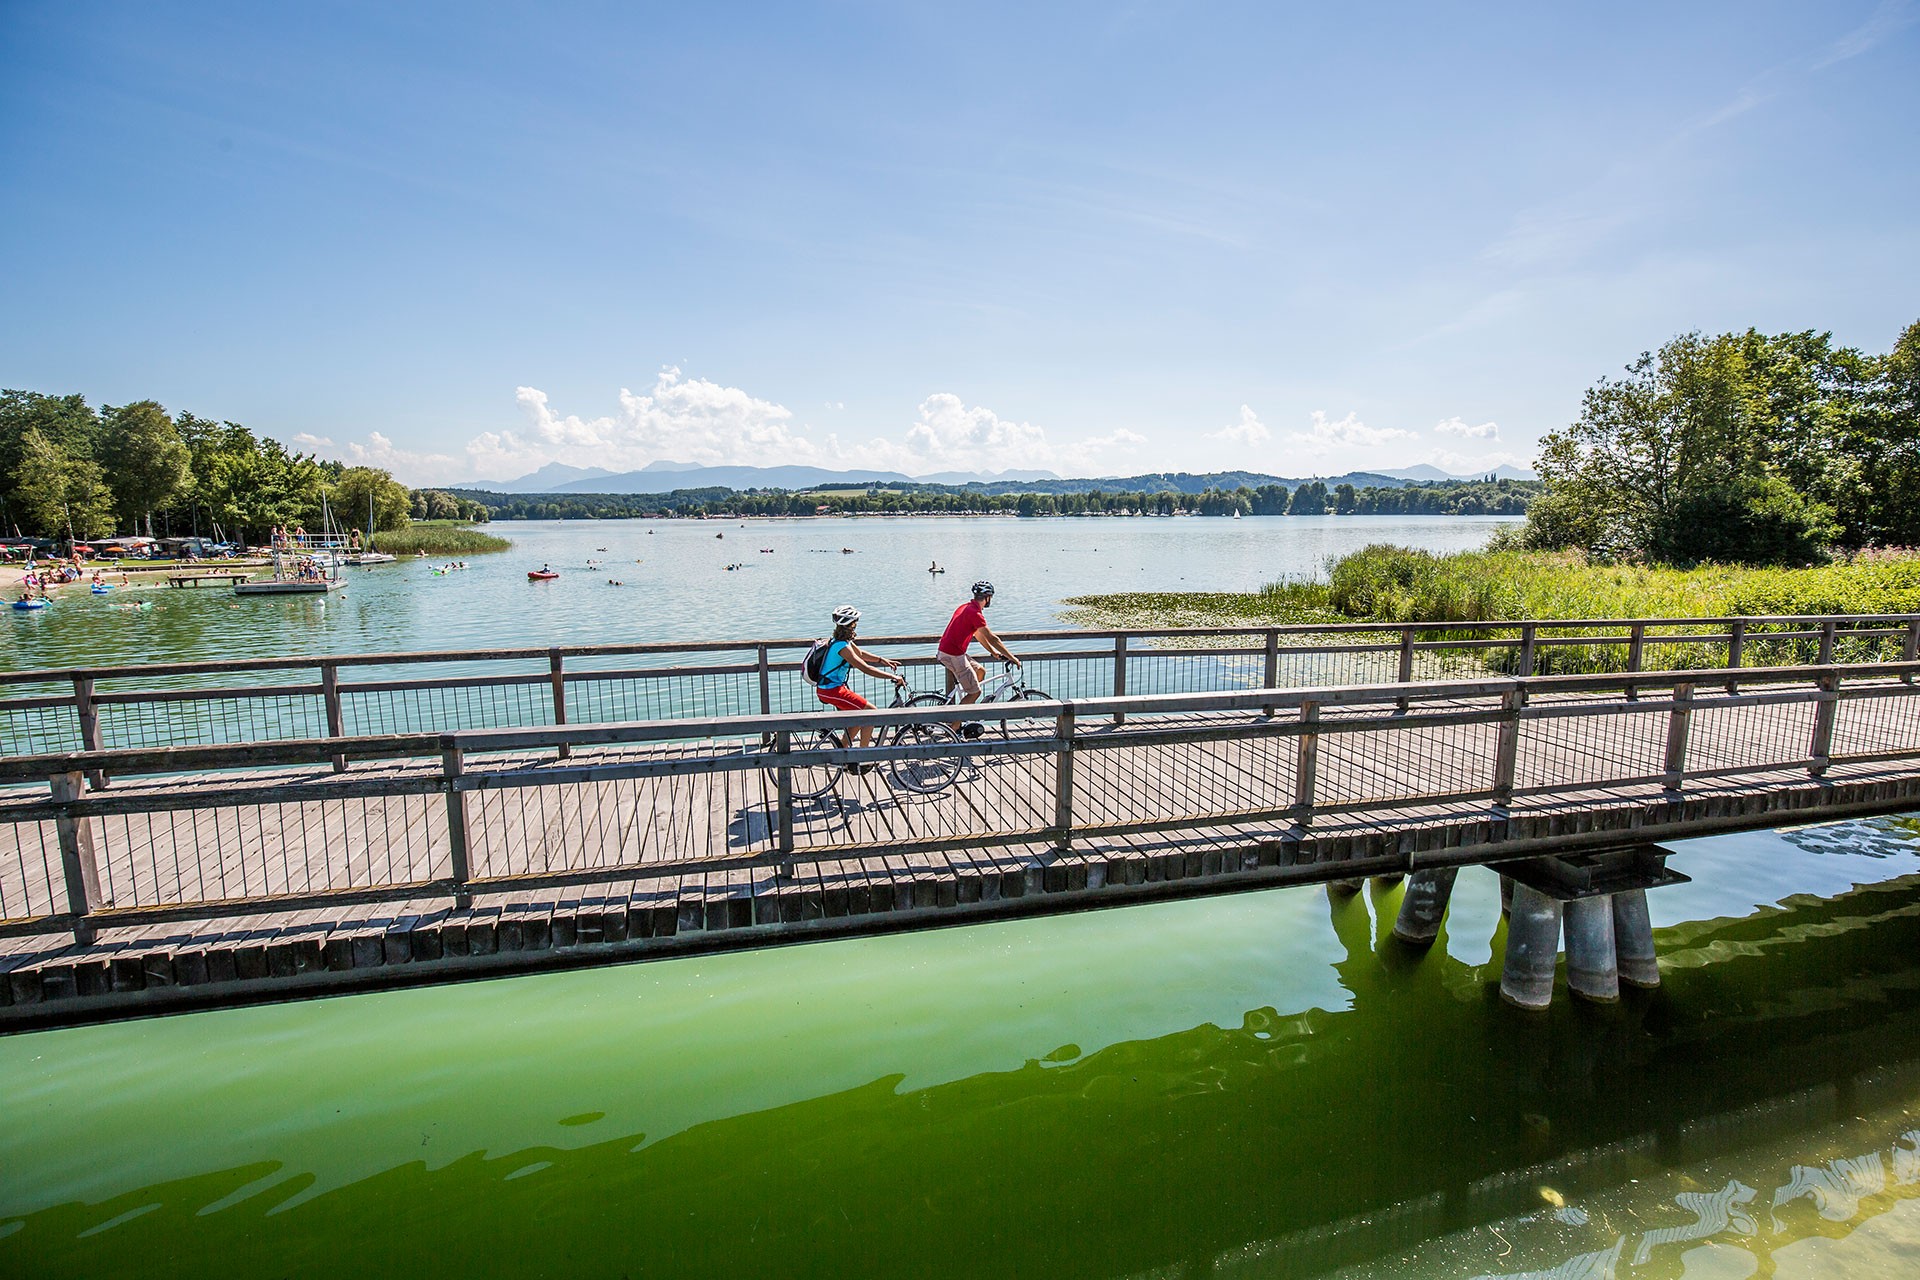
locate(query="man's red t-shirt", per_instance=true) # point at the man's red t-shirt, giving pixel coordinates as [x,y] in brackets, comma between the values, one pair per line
[967,619]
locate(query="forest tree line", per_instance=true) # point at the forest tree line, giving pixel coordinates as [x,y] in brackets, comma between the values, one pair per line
[1739,448]
[68,470]
[1446,498]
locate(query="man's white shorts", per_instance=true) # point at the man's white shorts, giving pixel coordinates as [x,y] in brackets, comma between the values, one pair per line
[962,668]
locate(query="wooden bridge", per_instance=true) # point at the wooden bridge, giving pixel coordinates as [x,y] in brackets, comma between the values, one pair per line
[321,824]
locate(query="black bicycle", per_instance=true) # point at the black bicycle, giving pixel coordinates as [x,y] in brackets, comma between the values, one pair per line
[1009,686]
[923,774]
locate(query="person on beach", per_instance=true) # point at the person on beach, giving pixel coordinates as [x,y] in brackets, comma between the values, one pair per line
[842,658]
[969,623]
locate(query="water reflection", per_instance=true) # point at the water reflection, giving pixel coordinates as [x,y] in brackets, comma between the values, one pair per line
[1017,1099]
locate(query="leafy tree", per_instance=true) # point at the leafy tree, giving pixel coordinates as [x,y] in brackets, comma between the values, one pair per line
[1344,499]
[357,487]
[61,494]
[65,422]
[1310,499]
[147,464]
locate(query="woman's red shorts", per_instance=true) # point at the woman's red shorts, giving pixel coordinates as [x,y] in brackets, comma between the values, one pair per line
[844,698]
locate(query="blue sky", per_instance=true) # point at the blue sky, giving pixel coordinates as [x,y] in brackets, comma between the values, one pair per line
[1096,239]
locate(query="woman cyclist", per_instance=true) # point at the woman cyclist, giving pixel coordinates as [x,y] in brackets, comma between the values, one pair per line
[842,658]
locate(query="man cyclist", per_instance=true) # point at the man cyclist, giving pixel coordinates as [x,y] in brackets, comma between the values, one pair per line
[841,659]
[969,622]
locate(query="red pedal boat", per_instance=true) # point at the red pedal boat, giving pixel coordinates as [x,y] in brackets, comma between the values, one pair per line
[542,575]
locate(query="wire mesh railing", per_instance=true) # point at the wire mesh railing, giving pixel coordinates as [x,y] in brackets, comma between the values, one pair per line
[272,700]
[196,829]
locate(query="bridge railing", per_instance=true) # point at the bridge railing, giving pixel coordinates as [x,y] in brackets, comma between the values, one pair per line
[297,698]
[191,831]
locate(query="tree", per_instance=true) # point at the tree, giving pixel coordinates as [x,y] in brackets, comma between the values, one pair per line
[358,487]
[147,464]
[1663,460]
[1310,499]
[60,494]
[65,422]
[1344,499]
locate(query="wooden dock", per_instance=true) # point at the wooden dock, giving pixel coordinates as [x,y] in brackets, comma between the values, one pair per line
[148,878]
[211,575]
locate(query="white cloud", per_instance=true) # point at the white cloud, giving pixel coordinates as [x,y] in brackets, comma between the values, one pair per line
[380,451]
[1327,435]
[950,435]
[1455,426]
[1889,17]
[1247,432]
[692,420]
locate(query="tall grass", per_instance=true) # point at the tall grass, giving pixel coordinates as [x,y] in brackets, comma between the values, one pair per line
[439,538]
[1390,584]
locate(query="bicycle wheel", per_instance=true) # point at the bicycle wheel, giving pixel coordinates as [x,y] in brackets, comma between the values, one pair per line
[927,700]
[811,781]
[925,774]
[1025,695]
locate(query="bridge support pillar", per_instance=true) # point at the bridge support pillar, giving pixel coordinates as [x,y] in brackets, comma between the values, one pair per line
[1633,939]
[1592,971]
[1425,905]
[1601,900]
[1533,945]
[1344,888]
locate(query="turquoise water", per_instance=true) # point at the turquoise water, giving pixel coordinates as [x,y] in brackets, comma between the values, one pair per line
[677,585]
[1254,1085]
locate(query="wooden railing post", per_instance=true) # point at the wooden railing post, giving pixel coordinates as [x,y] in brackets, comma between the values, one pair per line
[336,720]
[1820,751]
[1063,778]
[453,763]
[1306,767]
[1826,643]
[89,725]
[1636,655]
[558,676]
[1678,724]
[1404,673]
[1270,677]
[1736,650]
[1120,674]
[765,670]
[1529,637]
[783,791]
[1910,650]
[1506,747]
[79,866]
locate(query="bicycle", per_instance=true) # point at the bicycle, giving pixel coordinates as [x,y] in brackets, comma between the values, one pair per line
[925,775]
[1009,686]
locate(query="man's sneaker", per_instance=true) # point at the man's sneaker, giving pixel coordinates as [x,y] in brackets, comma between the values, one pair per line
[973,729]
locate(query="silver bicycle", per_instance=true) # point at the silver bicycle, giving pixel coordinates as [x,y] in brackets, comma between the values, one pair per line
[923,774]
[1009,686]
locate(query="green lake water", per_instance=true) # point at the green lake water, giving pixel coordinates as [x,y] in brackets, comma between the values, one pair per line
[1259,1085]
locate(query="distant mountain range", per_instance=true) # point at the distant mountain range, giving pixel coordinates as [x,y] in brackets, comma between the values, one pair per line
[665,477]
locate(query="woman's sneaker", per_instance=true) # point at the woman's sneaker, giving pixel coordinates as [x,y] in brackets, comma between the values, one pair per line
[972,729]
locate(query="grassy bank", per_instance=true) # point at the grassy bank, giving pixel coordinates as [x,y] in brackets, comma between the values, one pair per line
[1394,584]
[439,538]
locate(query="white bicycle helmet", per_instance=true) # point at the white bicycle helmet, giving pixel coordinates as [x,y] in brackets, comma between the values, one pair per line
[983,588]
[845,616]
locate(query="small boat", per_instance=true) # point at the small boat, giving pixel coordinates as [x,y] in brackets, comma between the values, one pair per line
[541,575]
[372,557]
[29,604]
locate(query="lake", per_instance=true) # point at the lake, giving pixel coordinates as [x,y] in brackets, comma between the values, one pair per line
[1256,1085]
[677,585]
